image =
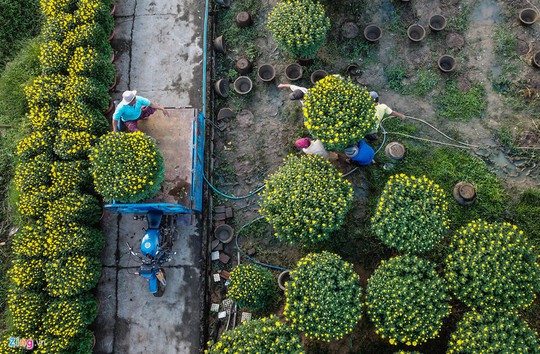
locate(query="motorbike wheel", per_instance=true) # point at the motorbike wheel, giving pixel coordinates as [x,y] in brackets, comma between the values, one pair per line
[162,282]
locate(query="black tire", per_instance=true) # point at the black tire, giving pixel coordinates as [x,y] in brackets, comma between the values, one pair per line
[161,288]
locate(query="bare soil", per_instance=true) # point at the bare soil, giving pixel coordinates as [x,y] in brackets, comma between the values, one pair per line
[253,144]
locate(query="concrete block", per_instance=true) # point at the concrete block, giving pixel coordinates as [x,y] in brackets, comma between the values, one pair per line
[219,209]
[103,326]
[229,213]
[219,216]
[224,258]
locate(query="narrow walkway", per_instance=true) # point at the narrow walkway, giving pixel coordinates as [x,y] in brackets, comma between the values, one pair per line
[158,47]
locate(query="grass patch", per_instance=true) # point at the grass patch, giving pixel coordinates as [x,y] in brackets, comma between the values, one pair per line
[453,104]
[394,76]
[424,83]
[241,39]
[526,214]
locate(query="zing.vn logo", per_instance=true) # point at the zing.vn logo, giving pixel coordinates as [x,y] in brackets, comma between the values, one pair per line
[29,344]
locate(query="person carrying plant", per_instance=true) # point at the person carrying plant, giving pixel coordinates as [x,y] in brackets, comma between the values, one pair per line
[381,111]
[361,154]
[298,92]
[315,147]
[131,109]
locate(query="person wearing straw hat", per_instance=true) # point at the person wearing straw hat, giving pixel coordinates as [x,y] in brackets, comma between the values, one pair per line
[131,109]
[315,147]
[361,154]
[381,111]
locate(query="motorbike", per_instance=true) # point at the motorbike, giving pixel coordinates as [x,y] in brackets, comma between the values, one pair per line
[156,250]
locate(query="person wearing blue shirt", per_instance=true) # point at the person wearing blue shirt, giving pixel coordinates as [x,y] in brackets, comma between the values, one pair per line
[131,109]
[361,153]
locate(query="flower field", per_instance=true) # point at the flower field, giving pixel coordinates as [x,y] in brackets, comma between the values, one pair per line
[56,250]
[416,271]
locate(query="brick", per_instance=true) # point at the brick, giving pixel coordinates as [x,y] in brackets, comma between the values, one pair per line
[224,258]
[224,274]
[219,247]
[214,244]
[220,209]
[219,222]
[251,252]
[228,213]
[219,216]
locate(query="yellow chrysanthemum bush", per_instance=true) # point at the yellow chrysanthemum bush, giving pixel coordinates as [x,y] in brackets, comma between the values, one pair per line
[266,335]
[73,239]
[338,112]
[299,26]
[411,214]
[73,207]
[41,117]
[70,276]
[54,57]
[51,8]
[38,142]
[56,26]
[79,116]
[68,177]
[407,300]
[252,286]
[32,173]
[27,273]
[34,201]
[86,61]
[25,309]
[126,167]
[28,241]
[305,199]
[88,34]
[493,331]
[492,265]
[70,316]
[323,297]
[95,11]
[45,91]
[72,144]
[88,90]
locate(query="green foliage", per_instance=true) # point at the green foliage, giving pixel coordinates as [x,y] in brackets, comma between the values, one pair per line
[424,83]
[453,104]
[395,76]
[323,297]
[20,71]
[265,335]
[338,112]
[37,142]
[70,276]
[67,317]
[305,199]
[493,331]
[252,286]
[126,167]
[407,301]
[25,310]
[492,265]
[240,39]
[527,212]
[299,26]
[20,20]
[412,214]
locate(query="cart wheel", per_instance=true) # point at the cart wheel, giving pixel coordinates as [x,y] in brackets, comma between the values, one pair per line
[162,283]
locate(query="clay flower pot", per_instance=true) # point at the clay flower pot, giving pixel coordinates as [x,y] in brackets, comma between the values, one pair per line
[113,58]
[536,59]
[111,37]
[372,33]
[317,75]
[447,63]
[243,19]
[222,87]
[528,16]
[225,112]
[243,85]
[293,72]
[395,151]
[243,66]
[283,277]
[219,45]
[349,30]
[266,72]
[464,193]
[113,85]
[437,22]
[224,233]
[110,108]
[352,70]
[416,33]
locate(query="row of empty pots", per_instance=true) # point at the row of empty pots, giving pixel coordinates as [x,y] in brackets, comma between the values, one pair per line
[266,73]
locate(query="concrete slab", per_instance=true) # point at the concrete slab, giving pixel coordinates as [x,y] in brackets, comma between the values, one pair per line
[165,56]
[147,324]
[109,222]
[104,325]
[124,8]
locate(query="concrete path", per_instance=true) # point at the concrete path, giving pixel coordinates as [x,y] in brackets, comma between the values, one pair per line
[158,46]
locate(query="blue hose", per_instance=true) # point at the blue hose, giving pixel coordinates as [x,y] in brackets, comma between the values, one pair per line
[250,258]
[232,196]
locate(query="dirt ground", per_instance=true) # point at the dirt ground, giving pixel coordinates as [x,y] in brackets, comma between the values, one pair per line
[252,145]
